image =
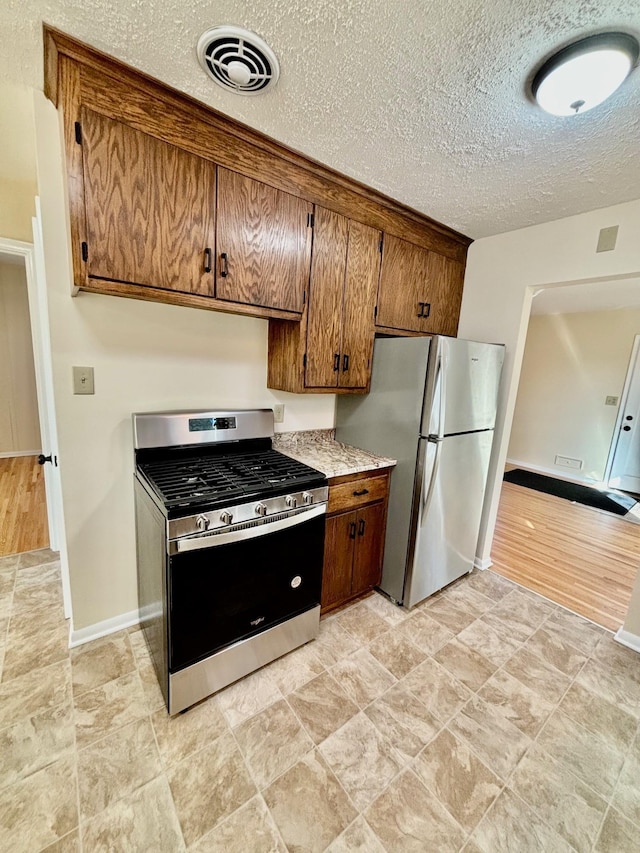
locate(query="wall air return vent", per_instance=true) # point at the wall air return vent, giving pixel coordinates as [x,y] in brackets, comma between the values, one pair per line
[238,60]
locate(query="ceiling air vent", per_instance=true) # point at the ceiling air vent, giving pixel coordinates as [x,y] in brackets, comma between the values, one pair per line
[238,60]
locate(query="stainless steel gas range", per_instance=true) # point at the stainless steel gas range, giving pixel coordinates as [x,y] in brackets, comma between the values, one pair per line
[230,542]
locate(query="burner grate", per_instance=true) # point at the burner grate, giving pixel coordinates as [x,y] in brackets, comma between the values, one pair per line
[211,477]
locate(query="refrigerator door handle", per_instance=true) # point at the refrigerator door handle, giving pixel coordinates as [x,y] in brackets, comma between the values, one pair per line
[439,386]
[428,491]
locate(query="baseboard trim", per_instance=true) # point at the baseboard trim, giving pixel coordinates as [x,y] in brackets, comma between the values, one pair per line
[103,629]
[9,453]
[486,563]
[552,472]
[626,638]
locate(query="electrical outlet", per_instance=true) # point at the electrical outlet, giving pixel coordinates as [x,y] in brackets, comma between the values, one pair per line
[83,380]
[611,401]
[278,413]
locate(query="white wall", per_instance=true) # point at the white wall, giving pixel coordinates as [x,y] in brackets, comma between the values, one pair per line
[146,357]
[19,426]
[17,162]
[502,273]
[571,363]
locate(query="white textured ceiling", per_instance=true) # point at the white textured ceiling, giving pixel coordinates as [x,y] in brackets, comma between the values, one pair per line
[424,100]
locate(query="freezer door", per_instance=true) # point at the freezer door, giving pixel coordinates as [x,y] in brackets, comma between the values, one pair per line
[447,507]
[462,386]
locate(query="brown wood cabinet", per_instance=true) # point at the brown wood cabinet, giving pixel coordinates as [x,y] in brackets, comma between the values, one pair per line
[263,244]
[172,201]
[420,290]
[354,540]
[149,209]
[334,345]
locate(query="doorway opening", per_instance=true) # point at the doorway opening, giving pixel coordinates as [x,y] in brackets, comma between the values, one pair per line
[23,508]
[570,403]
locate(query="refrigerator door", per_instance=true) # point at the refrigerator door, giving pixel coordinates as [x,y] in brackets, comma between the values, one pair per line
[462,386]
[446,512]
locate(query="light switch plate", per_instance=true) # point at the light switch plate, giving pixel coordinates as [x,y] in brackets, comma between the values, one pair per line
[607,239]
[278,413]
[83,380]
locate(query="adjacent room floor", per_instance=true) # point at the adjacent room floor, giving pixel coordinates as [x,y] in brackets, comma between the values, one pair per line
[580,557]
[23,508]
[486,720]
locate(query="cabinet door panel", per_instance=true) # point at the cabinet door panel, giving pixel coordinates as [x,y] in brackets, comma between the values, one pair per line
[361,285]
[149,208]
[413,278]
[367,560]
[326,289]
[265,236]
[338,558]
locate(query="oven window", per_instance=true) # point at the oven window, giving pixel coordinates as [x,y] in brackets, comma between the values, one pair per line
[225,593]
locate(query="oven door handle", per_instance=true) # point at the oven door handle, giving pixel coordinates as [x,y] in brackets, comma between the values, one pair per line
[197,543]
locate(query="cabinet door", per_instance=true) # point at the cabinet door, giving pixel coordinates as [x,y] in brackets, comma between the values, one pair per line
[340,537]
[263,244]
[361,286]
[420,290]
[367,560]
[326,289]
[149,209]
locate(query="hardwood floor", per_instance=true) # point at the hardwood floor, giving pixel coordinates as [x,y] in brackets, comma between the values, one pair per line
[580,557]
[23,508]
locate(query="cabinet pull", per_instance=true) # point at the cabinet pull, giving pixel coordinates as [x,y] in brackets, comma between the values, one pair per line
[426,309]
[421,305]
[352,530]
[224,265]
[207,260]
[361,527]
[336,361]
[345,363]
[360,493]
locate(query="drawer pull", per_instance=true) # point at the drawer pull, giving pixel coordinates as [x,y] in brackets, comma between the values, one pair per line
[361,527]
[360,493]
[207,260]
[336,361]
[224,265]
[352,530]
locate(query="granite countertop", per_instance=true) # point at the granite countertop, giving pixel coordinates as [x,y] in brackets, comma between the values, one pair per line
[319,449]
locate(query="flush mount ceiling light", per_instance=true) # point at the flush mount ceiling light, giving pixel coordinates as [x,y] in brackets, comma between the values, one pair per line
[585,73]
[238,60]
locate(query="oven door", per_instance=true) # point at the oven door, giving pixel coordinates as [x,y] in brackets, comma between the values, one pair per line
[226,587]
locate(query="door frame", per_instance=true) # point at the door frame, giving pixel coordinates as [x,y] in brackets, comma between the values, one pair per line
[33,257]
[634,364]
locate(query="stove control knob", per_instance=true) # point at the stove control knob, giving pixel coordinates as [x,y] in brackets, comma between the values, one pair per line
[226,517]
[307,498]
[202,523]
[291,501]
[260,509]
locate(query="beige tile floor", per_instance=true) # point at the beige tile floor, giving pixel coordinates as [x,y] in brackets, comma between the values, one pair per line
[488,720]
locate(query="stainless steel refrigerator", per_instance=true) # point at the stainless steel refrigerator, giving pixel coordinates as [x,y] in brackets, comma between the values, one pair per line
[432,406]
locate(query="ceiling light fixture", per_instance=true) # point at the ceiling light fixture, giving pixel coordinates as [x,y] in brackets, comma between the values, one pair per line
[585,73]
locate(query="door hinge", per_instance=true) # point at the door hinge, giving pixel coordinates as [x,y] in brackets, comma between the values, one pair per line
[78,128]
[304,360]
[85,251]
[310,220]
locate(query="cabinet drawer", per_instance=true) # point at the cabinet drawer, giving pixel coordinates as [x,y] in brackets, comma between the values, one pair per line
[355,493]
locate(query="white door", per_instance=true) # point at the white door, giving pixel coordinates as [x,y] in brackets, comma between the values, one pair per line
[624,457]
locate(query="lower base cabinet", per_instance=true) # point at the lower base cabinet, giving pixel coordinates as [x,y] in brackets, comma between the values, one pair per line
[354,540]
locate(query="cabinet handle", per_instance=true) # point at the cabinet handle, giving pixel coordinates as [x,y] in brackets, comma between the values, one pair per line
[352,530]
[360,493]
[426,310]
[345,363]
[336,361]
[224,265]
[361,527]
[207,260]
[421,307]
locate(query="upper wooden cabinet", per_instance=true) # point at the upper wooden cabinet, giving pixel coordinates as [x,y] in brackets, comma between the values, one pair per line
[331,349]
[420,290]
[263,244]
[345,268]
[149,209]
